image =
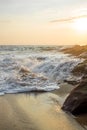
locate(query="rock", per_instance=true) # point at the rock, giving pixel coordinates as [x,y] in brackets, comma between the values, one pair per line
[77,50]
[76,102]
[24,70]
[83,55]
[80,69]
[72,82]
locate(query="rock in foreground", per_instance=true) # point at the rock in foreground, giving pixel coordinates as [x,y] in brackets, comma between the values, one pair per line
[76,102]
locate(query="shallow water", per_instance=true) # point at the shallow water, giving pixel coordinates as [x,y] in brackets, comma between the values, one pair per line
[35,112]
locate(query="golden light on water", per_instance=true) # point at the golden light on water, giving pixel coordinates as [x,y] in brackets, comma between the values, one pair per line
[80,25]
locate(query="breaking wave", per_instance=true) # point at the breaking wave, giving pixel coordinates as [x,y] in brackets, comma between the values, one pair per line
[27,68]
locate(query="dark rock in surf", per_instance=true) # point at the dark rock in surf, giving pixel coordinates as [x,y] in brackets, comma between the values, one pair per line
[76,102]
[72,82]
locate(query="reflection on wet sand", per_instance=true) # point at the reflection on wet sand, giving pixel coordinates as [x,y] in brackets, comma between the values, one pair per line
[34,112]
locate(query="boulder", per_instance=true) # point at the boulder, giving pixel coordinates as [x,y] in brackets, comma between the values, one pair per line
[76,102]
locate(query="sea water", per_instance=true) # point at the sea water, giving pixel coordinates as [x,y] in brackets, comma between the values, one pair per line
[34,68]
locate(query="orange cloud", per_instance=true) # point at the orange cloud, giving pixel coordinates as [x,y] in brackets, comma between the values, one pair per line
[69,19]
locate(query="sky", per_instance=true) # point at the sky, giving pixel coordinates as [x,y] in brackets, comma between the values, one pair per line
[42,22]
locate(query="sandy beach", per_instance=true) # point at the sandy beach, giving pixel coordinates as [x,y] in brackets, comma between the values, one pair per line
[37,111]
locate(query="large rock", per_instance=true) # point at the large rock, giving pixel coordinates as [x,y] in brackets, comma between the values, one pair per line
[76,102]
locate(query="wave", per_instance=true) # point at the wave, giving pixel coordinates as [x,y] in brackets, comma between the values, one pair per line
[27,71]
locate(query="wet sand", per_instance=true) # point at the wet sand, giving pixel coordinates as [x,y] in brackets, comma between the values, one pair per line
[36,111]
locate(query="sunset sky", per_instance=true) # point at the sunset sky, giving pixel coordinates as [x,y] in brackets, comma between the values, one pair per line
[42,22]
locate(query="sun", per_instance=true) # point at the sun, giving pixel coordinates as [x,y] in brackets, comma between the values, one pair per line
[80,24]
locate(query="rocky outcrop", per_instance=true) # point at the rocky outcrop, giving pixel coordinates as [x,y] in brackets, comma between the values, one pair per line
[76,50]
[76,102]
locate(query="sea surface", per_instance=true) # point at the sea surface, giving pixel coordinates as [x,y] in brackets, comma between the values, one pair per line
[34,68]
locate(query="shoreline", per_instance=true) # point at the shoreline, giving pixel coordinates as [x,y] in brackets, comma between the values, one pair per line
[35,111]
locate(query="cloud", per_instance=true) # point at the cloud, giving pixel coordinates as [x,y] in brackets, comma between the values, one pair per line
[5,21]
[69,19]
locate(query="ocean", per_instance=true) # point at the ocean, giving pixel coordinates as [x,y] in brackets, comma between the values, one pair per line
[34,68]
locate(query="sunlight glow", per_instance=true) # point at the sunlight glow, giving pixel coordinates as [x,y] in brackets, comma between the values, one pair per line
[80,24]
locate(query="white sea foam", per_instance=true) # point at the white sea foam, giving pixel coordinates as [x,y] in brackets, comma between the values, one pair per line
[26,69]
